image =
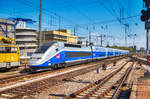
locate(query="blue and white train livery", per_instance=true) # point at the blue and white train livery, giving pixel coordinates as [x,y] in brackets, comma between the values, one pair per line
[55,53]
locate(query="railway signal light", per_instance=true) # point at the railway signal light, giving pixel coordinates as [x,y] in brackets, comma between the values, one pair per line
[144,16]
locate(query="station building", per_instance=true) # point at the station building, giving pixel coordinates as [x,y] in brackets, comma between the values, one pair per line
[58,35]
[26,38]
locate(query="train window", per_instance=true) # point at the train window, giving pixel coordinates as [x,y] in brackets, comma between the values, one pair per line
[44,47]
[102,55]
[100,49]
[8,49]
[110,52]
[77,54]
[72,45]
[2,49]
[14,50]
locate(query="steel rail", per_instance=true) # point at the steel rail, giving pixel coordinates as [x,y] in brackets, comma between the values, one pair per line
[17,77]
[98,83]
[117,82]
[37,86]
[121,83]
[103,81]
[139,60]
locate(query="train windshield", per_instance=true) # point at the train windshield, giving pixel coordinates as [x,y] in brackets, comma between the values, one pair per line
[44,47]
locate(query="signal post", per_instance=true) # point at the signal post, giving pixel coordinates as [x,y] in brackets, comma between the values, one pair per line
[145,17]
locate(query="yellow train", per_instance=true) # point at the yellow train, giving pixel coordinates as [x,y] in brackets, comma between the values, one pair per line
[9,56]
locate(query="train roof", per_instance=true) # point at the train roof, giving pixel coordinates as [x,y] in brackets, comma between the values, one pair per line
[65,44]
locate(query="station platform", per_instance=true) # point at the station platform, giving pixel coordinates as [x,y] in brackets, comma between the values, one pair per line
[141,84]
[143,89]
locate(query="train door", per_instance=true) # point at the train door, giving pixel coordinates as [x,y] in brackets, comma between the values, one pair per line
[8,56]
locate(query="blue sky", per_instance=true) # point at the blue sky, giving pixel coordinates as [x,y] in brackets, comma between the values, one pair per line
[85,15]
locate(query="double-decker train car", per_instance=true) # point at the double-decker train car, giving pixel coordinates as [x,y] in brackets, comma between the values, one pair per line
[9,56]
[55,54]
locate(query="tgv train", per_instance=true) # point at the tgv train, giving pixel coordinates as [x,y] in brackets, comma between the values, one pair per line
[55,54]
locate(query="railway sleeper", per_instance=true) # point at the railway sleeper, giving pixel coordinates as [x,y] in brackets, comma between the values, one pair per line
[101,95]
[102,82]
[29,89]
[106,90]
[8,95]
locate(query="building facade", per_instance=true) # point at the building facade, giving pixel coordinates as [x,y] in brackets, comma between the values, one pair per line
[58,35]
[26,38]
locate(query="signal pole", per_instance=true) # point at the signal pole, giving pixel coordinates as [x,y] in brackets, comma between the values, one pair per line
[126,25]
[125,36]
[147,42]
[147,2]
[147,30]
[147,46]
[90,37]
[40,25]
[101,41]
[145,17]
[101,36]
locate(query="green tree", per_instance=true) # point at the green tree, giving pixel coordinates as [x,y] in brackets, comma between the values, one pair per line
[130,48]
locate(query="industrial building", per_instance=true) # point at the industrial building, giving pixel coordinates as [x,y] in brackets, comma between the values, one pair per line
[58,35]
[26,38]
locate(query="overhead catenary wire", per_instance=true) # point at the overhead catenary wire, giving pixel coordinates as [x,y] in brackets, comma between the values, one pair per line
[102,3]
[112,9]
[107,21]
[55,15]
[80,4]
[110,21]
[49,12]
[76,9]
[119,4]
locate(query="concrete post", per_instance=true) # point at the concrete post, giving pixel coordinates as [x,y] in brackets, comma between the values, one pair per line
[97,70]
[114,63]
[104,67]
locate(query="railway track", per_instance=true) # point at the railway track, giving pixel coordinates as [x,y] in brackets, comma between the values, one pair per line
[104,88]
[141,60]
[75,83]
[33,86]
[4,81]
